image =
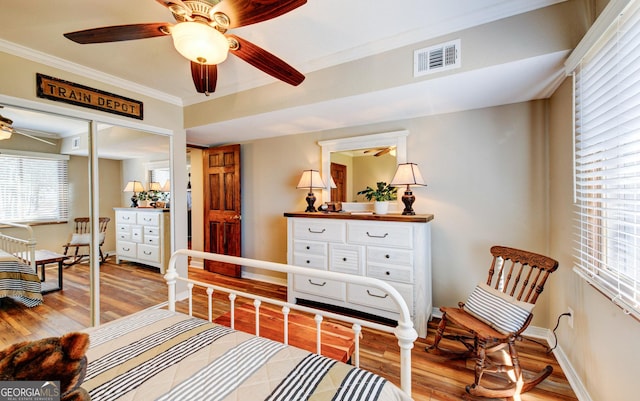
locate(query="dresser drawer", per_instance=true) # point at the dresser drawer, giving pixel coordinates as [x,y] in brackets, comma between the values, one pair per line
[317,286]
[393,273]
[151,240]
[318,230]
[150,230]
[149,219]
[346,259]
[375,298]
[126,217]
[149,252]
[307,260]
[380,234]
[125,248]
[310,248]
[390,256]
[136,234]
[123,235]
[123,228]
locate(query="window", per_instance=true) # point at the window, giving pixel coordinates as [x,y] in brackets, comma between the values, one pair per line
[607,162]
[34,187]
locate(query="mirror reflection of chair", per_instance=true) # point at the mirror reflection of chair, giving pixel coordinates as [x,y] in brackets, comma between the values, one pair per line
[493,318]
[80,240]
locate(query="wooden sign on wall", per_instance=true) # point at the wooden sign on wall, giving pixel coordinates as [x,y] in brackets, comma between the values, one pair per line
[80,95]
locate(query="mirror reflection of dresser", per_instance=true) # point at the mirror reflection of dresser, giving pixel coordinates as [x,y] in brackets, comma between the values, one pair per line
[143,235]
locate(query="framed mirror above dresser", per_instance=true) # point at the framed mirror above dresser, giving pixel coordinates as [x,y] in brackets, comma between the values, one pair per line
[375,144]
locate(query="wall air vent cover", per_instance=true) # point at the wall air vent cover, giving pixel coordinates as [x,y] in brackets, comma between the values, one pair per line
[442,57]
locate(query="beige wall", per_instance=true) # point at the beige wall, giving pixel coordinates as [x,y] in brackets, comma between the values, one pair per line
[603,344]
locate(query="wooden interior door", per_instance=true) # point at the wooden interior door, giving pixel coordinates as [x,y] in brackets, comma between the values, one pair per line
[339,175]
[222,214]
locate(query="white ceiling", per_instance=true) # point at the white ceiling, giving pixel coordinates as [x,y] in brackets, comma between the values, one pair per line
[320,34]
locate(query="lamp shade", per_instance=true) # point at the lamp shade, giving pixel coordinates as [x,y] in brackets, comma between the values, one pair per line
[133,186]
[199,42]
[311,179]
[407,174]
[154,186]
[167,186]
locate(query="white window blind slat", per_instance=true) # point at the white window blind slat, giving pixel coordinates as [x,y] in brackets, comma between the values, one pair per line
[607,163]
[33,189]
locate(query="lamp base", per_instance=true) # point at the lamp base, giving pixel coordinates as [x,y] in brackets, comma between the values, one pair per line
[134,201]
[408,198]
[311,199]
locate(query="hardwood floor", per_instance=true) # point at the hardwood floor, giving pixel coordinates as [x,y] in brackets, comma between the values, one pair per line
[129,288]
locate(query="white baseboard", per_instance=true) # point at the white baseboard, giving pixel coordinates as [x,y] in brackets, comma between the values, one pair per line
[567,368]
[266,279]
[199,264]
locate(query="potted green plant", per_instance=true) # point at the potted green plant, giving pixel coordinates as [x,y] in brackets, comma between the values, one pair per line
[143,198]
[380,195]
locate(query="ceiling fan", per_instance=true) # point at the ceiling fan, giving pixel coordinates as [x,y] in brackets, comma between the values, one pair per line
[200,36]
[6,130]
[379,151]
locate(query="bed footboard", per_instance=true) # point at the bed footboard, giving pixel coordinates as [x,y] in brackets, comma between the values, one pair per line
[23,246]
[404,331]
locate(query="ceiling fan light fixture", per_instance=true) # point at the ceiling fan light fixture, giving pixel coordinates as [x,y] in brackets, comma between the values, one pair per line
[5,128]
[200,42]
[5,132]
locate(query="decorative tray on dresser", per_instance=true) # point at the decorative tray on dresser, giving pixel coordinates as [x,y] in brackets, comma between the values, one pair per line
[391,247]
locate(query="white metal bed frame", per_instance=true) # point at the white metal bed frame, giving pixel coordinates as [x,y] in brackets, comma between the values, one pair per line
[404,331]
[23,247]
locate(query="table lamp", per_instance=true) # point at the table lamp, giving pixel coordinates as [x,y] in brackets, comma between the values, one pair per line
[311,180]
[407,174]
[135,187]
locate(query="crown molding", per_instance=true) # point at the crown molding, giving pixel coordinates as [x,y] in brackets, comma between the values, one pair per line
[56,62]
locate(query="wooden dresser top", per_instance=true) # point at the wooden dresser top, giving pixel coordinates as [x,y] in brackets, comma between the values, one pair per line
[418,218]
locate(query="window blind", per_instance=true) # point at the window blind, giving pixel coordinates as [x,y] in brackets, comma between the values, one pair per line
[33,188]
[607,162]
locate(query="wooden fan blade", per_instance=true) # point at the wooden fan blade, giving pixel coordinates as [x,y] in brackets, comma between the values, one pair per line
[117,33]
[247,12]
[204,77]
[265,61]
[383,152]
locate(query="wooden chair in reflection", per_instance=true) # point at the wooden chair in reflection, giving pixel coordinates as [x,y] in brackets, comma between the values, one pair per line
[79,244]
[493,318]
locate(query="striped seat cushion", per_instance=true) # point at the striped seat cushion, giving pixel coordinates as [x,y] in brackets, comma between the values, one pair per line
[500,311]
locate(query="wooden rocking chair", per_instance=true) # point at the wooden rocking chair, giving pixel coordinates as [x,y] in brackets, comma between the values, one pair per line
[494,316]
[81,238]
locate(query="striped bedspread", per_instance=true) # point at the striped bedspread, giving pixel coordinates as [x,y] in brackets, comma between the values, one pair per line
[19,281]
[162,355]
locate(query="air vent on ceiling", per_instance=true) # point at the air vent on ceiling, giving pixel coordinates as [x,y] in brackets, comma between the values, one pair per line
[429,60]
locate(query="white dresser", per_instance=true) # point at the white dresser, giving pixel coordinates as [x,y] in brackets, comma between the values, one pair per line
[143,236]
[393,248]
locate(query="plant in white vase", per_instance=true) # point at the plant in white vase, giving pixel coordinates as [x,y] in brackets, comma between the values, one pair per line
[380,195]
